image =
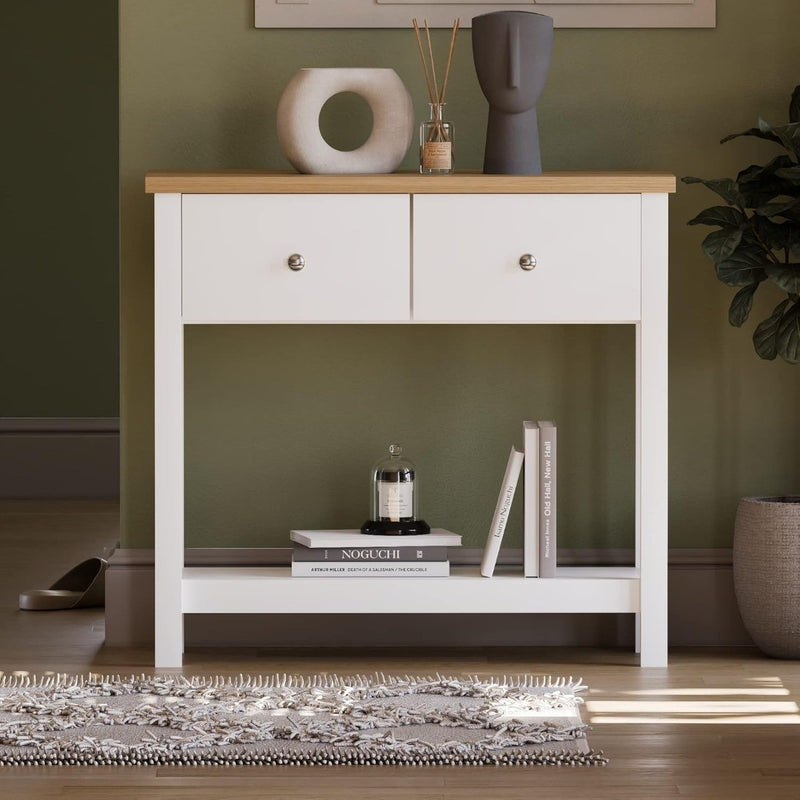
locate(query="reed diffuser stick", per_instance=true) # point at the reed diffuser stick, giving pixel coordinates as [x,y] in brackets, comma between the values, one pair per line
[456,25]
[433,65]
[424,62]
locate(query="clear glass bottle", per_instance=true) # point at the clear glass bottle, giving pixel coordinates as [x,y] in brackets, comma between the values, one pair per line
[436,143]
[393,497]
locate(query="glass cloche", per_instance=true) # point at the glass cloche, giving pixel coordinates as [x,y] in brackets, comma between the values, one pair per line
[393,497]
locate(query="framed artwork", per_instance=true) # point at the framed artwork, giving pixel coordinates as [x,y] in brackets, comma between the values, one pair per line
[565,13]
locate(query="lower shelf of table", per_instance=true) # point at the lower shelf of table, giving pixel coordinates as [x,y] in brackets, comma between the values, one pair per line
[272,590]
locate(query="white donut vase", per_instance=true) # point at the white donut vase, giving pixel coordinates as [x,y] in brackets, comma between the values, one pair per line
[298,120]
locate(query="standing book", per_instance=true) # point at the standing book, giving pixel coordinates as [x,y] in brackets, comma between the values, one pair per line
[501,512]
[530,486]
[547,499]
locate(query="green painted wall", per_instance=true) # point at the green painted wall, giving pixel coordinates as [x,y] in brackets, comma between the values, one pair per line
[284,422]
[59,321]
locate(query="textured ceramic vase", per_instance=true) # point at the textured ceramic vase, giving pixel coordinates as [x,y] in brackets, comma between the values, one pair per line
[766,572]
[298,120]
[512,52]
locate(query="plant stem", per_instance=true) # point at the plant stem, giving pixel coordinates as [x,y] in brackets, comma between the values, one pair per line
[764,246]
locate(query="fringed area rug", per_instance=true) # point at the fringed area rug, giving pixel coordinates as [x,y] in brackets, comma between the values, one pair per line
[321,720]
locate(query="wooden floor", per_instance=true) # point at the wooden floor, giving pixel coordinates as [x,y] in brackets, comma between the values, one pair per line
[716,724]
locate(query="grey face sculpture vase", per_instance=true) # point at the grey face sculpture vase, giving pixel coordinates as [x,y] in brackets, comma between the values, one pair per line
[512,52]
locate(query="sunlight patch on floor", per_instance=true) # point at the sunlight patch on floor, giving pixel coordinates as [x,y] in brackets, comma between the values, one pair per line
[699,705]
[706,692]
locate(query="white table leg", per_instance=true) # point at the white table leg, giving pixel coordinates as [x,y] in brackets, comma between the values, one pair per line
[652,439]
[168,432]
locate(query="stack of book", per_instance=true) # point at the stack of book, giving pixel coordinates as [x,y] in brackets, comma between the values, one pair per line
[539,516]
[352,554]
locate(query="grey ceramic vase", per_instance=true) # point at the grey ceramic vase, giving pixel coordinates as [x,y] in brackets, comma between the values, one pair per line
[512,52]
[766,572]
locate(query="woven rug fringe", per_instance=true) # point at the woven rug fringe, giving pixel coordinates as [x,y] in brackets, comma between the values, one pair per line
[320,757]
[242,681]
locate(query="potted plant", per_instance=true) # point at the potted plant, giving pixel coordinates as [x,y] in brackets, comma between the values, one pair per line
[757,240]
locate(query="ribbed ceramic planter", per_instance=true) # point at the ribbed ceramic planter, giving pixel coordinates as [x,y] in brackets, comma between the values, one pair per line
[766,572]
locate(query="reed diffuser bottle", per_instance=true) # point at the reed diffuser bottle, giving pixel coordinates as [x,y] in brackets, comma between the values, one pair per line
[435,134]
[436,143]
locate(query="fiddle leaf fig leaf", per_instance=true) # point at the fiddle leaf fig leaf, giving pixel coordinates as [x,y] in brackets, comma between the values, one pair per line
[758,185]
[791,174]
[724,216]
[792,213]
[721,245]
[788,338]
[765,336]
[776,235]
[786,135]
[794,105]
[724,187]
[745,265]
[787,276]
[781,208]
[741,304]
[757,132]
[757,172]
[789,136]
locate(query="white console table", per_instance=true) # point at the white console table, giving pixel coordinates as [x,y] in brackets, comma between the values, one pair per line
[258,247]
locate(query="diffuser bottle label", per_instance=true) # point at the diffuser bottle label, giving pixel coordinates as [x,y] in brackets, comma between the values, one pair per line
[395,500]
[437,155]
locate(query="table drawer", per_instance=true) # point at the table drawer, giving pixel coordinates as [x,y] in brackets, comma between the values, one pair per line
[236,249]
[467,251]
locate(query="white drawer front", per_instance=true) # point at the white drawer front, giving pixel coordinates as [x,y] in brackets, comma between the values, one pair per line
[236,250]
[467,251]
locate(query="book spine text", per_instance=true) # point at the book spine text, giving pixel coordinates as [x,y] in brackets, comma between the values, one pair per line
[501,512]
[547,500]
[369,554]
[407,569]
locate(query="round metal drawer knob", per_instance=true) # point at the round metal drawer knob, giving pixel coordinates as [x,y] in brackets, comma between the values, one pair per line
[296,262]
[527,262]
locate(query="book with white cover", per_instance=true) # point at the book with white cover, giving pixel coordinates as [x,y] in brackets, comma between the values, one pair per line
[547,499]
[530,487]
[501,512]
[379,552]
[346,537]
[395,569]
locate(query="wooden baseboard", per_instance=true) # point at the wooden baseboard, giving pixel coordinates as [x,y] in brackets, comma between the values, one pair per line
[702,610]
[59,458]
